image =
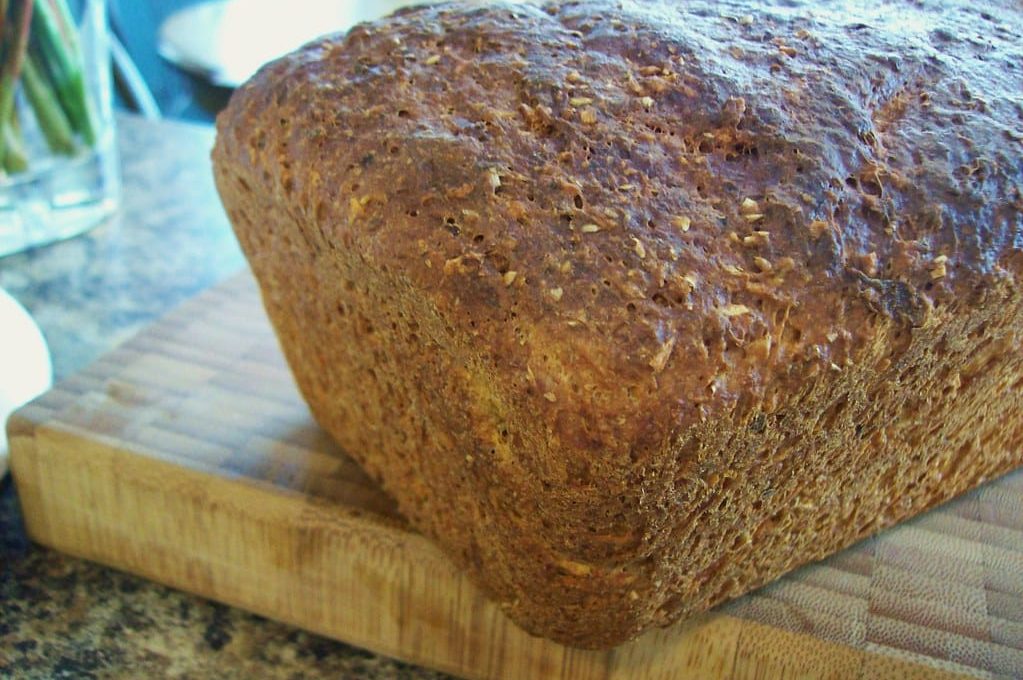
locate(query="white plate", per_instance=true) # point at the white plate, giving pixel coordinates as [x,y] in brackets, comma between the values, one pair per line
[226,41]
[25,368]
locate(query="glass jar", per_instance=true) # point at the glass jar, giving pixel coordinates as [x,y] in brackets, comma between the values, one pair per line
[57,147]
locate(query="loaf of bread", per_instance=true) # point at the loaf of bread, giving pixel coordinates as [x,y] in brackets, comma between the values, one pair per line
[634,307]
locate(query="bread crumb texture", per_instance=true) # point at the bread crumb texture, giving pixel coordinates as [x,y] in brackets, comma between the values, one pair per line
[634,307]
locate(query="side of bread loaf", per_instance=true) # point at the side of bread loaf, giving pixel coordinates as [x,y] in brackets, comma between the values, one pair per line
[636,307]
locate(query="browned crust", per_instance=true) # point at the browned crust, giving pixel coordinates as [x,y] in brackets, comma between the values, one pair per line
[636,310]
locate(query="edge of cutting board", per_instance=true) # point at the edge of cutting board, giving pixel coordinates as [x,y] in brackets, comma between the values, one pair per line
[99,480]
[355,577]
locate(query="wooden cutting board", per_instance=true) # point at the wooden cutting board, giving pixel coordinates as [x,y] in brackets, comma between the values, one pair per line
[187,456]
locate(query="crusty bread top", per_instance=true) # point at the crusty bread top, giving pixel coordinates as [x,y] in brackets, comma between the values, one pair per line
[647,214]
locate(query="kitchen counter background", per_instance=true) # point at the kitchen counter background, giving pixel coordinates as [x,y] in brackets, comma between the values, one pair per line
[61,617]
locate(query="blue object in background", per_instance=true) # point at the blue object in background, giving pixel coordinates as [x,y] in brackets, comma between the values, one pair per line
[178,94]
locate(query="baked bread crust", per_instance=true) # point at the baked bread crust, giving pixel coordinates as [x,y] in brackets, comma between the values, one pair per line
[635,308]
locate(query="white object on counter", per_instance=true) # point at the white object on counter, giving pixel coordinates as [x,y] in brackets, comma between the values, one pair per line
[25,367]
[226,41]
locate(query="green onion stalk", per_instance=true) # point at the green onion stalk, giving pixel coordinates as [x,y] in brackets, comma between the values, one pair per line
[41,54]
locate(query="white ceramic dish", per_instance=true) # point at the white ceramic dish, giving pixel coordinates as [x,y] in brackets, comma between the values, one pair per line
[25,367]
[226,41]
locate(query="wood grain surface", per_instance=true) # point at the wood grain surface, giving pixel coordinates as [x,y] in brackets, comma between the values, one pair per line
[188,457]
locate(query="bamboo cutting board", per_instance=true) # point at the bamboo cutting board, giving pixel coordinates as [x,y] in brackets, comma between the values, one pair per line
[187,456]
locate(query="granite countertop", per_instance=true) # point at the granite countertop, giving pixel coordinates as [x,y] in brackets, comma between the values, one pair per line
[61,617]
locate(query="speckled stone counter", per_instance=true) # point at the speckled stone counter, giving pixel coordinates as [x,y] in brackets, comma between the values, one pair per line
[64,618]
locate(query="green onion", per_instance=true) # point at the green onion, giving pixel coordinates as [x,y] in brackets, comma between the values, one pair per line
[41,51]
[52,121]
[15,158]
[11,71]
[59,51]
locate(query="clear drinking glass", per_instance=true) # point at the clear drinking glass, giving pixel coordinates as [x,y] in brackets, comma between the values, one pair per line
[58,156]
